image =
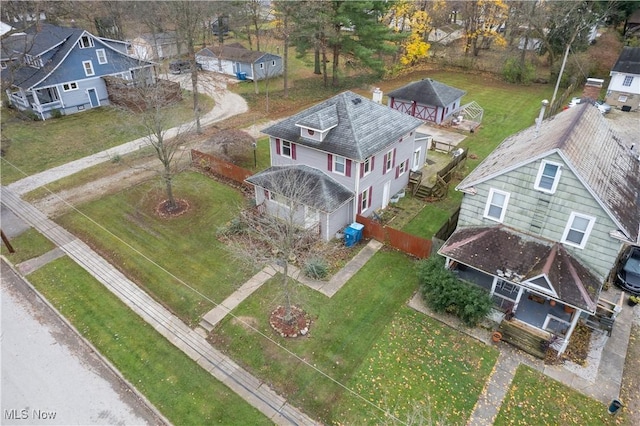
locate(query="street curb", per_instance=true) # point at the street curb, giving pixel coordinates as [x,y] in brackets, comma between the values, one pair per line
[92,348]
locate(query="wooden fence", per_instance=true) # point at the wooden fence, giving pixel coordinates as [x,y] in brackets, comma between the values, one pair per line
[415,246]
[211,164]
[447,229]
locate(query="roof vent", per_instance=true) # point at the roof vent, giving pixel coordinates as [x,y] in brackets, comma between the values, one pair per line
[356,101]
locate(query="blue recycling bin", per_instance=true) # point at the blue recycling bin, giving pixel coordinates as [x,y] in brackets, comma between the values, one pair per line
[241,75]
[353,234]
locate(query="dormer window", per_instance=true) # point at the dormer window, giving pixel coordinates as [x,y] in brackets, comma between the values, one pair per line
[548,177]
[86,42]
[310,132]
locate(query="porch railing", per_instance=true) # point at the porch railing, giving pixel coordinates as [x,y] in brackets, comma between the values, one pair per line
[19,101]
[46,107]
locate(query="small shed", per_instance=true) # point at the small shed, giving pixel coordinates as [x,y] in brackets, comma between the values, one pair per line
[427,99]
[236,60]
[153,46]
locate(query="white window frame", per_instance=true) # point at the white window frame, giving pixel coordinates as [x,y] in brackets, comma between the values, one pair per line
[586,233]
[85,42]
[88,71]
[102,56]
[622,98]
[285,147]
[628,80]
[339,161]
[389,164]
[402,168]
[261,65]
[364,203]
[273,63]
[68,87]
[491,203]
[554,186]
[366,167]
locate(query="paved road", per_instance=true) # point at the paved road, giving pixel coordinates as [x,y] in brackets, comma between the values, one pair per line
[50,376]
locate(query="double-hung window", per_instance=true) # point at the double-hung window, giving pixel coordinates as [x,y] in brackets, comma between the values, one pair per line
[578,229]
[66,87]
[389,160]
[339,164]
[548,177]
[88,68]
[102,56]
[286,149]
[496,205]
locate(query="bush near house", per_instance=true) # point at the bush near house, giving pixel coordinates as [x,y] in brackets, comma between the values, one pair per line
[443,292]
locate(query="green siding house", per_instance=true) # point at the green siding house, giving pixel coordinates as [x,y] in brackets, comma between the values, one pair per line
[545,216]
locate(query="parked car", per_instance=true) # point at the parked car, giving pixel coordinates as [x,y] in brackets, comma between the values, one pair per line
[628,275]
[178,67]
[603,106]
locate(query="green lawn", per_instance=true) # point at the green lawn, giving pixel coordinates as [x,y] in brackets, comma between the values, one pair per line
[28,245]
[183,391]
[179,261]
[534,398]
[418,366]
[27,145]
[348,336]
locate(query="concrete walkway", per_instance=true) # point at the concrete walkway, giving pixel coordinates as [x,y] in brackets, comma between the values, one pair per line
[328,288]
[189,341]
[603,386]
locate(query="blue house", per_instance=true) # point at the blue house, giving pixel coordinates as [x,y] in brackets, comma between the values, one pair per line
[51,68]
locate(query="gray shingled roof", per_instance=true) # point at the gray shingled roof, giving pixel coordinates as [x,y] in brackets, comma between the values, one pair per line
[595,153]
[233,52]
[364,127]
[629,61]
[428,92]
[322,192]
[571,280]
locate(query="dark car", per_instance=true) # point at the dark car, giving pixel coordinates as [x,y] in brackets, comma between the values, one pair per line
[628,276]
[178,67]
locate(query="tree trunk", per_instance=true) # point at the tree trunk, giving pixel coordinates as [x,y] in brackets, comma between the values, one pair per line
[324,66]
[288,315]
[334,69]
[168,178]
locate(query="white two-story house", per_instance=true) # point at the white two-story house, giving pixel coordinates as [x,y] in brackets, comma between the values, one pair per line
[355,154]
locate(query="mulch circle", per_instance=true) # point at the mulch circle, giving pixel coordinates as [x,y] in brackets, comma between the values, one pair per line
[163,210]
[298,326]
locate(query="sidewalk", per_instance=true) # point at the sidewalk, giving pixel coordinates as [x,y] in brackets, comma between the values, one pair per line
[255,392]
[328,288]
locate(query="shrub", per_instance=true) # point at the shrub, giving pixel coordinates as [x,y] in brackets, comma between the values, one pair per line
[56,113]
[316,268]
[515,72]
[443,292]
[234,227]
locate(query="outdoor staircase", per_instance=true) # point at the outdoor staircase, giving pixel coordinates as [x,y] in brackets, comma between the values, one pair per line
[523,337]
[421,190]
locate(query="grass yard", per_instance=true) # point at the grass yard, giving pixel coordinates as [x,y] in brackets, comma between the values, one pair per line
[28,245]
[419,366]
[347,335]
[27,144]
[534,398]
[179,261]
[183,391]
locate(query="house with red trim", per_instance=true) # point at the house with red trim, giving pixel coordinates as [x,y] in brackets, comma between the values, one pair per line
[353,153]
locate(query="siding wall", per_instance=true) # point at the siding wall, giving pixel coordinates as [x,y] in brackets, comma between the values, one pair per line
[376,179]
[571,196]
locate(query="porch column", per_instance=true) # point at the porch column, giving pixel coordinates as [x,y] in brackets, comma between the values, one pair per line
[36,101]
[493,285]
[574,322]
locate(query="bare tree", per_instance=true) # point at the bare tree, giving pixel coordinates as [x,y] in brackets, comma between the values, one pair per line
[151,100]
[283,228]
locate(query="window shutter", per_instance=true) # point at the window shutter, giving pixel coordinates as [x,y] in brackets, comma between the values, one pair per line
[361,169]
[330,162]
[277,146]
[384,164]
[293,151]
[359,203]
[393,164]
[372,158]
[397,171]
[347,172]
[369,198]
